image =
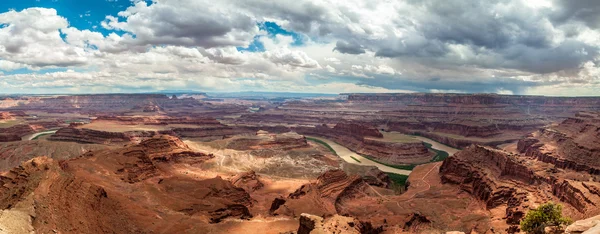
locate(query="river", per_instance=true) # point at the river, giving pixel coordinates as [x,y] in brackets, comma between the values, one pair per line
[347,154]
[438,146]
[33,136]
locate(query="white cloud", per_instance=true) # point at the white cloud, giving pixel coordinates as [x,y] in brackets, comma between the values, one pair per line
[184,22]
[513,46]
[32,37]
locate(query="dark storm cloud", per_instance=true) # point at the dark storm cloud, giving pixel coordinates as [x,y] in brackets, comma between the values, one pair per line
[413,47]
[348,48]
[586,11]
[570,54]
[482,23]
[475,85]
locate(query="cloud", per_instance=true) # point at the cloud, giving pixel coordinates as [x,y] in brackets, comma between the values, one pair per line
[32,37]
[200,23]
[501,46]
[348,48]
[585,11]
[9,66]
[291,57]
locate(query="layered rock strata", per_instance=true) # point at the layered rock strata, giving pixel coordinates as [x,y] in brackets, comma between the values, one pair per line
[499,179]
[572,144]
[367,140]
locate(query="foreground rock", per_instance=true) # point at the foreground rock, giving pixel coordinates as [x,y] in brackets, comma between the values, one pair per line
[136,189]
[588,226]
[514,184]
[334,192]
[311,224]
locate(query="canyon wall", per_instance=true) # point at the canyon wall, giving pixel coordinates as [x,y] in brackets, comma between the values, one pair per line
[499,179]
[572,144]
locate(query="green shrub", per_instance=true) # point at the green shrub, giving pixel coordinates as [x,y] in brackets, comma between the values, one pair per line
[322,143]
[547,215]
[398,182]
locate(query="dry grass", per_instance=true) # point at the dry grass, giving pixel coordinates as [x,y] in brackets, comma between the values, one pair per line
[10,123]
[398,137]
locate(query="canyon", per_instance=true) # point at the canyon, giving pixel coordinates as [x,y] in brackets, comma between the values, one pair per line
[355,163]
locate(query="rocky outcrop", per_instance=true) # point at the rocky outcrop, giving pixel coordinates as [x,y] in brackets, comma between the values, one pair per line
[159,120]
[283,141]
[212,132]
[587,226]
[370,174]
[572,144]
[151,108]
[138,162]
[312,224]
[14,133]
[60,199]
[334,192]
[478,170]
[249,181]
[367,140]
[500,178]
[9,137]
[216,198]
[89,136]
[357,129]
[82,195]
[99,102]
[5,116]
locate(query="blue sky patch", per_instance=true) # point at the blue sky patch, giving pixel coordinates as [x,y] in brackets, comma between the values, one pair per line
[80,14]
[272,30]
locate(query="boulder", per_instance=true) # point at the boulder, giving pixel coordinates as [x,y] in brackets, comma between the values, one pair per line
[582,226]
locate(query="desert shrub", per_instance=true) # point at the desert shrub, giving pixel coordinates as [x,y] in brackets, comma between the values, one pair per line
[547,215]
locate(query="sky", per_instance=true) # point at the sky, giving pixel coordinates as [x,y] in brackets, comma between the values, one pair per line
[525,47]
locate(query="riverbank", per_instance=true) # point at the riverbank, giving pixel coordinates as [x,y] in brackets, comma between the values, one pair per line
[354,158]
[38,134]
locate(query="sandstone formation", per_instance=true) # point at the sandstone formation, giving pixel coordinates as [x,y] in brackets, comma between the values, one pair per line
[126,190]
[367,140]
[249,181]
[572,144]
[121,104]
[283,141]
[139,162]
[212,132]
[325,197]
[5,116]
[507,180]
[14,133]
[370,174]
[587,226]
[12,154]
[89,136]
[158,120]
[311,224]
